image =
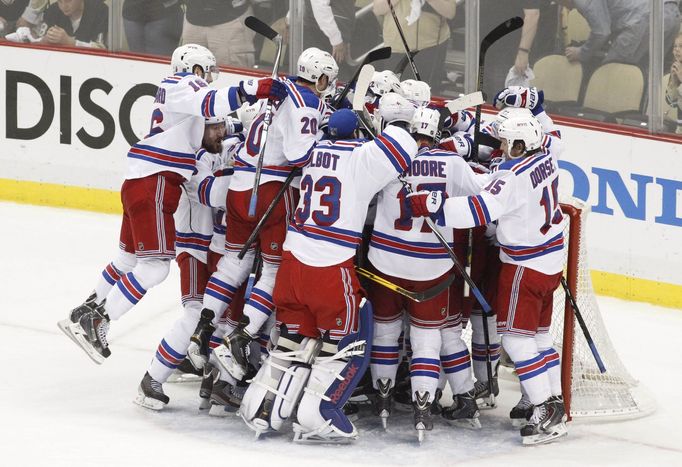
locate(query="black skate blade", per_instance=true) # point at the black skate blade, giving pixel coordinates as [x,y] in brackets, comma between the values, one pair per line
[75,332]
[558,431]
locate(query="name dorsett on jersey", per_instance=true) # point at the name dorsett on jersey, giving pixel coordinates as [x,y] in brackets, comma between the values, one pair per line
[182,103]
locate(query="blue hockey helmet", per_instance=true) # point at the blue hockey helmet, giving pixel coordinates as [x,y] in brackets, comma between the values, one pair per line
[342,124]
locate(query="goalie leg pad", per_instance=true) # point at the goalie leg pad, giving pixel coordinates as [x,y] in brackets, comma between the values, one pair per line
[334,376]
[276,389]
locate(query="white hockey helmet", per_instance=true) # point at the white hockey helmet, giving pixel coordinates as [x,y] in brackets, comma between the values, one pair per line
[394,108]
[187,56]
[246,113]
[215,120]
[425,122]
[418,92]
[313,63]
[384,82]
[505,114]
[524,128]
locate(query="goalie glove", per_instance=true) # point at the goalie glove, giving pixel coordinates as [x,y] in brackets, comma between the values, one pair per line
[427,203]
[520,96]
[266,88]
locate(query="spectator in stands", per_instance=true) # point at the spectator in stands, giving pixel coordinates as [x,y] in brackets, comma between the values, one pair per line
[517,50]
[219,26]
[152,26]
[426,29]
[329,26]
[619,30]
[673,92]
[10,12]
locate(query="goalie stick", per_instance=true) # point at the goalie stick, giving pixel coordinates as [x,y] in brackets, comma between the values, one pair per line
[377,54]
[263,29]
[583,326]
[422,296]
[404,41]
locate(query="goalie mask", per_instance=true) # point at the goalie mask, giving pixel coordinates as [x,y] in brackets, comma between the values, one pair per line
[525,128]
[315,63]
[187,56]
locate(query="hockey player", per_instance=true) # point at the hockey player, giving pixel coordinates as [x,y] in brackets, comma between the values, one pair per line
[292,134]
[194,231]
[156,167]
[522,197]
[417,92]
[405,251]
[325,330]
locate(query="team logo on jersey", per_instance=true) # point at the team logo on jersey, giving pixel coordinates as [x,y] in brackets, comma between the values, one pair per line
[274,246]
[140,246]
[339,322]
[443,311]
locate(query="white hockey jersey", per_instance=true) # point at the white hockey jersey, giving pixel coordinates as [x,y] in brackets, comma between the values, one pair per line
[523,197]
[194,217]
[405,247]
[294,130]
[183,102]
[337,185]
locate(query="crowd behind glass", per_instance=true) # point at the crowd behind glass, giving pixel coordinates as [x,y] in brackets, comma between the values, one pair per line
[595,59]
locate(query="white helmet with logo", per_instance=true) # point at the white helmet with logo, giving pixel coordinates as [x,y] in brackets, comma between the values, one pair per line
[521,127]
[247,112]
[394,108]
[187,56]
[384,82]
[313,63]
[425,122]
[418,92]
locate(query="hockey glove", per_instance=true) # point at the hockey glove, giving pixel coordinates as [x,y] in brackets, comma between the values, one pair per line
[460,143]
[266,88]
[427,203]
[519,96]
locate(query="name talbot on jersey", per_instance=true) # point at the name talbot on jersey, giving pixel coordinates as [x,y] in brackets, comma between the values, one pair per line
[16,80]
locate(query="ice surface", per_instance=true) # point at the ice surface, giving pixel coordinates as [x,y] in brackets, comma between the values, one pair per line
[58,408]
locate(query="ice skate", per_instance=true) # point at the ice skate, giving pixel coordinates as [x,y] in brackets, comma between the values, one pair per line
[521,413]
[464,411]
[150,394]
[423,420]
[222,399]
[436,406]
[87,326]
[402,394]
[185,373]
[547,423]
[233,354]
[384,400]
[197,352]
[483,397]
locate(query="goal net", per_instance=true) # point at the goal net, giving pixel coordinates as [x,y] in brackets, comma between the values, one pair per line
[588,392]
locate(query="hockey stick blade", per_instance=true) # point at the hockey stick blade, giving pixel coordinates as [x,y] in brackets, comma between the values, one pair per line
[422,296]
[260,27]
[511,25]
[361,87]
[466,101]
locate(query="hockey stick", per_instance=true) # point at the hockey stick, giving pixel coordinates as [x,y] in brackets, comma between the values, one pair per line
[402,64]
[363,82]
[263,29]
[268,212]
[377,54]
[493,36]
[465,101]
[253,274]
[583,326]
[422,296]
[404,41]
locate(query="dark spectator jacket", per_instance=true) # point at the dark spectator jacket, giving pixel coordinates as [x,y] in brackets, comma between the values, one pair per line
[213,12]
[94,22]
[11,10]
[144,11]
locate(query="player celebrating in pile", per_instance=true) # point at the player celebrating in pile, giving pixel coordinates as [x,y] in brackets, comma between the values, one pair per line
[522,198]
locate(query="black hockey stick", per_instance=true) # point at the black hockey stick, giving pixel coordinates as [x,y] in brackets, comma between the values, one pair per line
[254,272]
[404,41]
[263,29]
[377,54]
[268,212]
[583,326]
[509,26]
[422,296]
[402,64]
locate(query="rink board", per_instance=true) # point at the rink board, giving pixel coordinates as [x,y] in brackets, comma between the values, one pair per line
[69,119]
